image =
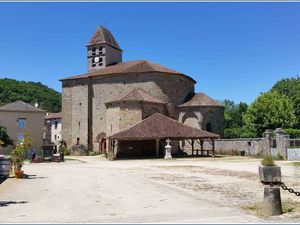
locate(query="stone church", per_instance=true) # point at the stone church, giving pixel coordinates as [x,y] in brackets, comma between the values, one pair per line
[114,95]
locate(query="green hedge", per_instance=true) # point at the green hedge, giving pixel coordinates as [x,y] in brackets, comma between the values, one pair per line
[294,133]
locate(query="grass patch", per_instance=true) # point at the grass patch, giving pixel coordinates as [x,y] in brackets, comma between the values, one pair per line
[288,206]
[295,163]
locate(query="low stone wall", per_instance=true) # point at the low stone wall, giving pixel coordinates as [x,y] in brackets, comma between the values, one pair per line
[251,146]
[293,154]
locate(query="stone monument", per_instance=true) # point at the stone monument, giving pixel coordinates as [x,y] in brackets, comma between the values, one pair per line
[168,149]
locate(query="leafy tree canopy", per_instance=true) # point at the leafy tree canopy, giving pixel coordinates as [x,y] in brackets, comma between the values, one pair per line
[31,92]
[291,88]
[269,111]
[233,113]
[233,118]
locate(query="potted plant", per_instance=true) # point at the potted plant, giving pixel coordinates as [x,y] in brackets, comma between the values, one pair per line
[269,172]
[18,155]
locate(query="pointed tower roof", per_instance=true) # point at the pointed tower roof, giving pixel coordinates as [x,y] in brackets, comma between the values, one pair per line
[103,36]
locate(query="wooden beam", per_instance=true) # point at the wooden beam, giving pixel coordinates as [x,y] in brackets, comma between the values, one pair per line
[213,148]
[192,146]
[157,147]
[201,145]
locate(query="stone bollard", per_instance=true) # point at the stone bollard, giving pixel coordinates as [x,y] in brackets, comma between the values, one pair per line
[272,201]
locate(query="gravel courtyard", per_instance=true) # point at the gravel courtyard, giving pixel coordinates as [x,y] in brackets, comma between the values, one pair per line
[191,190]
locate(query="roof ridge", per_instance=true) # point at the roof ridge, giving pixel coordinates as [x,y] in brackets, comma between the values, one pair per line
[126,95]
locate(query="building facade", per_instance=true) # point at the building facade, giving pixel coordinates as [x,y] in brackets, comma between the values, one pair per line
[53,133]
[20,118]
[114,95]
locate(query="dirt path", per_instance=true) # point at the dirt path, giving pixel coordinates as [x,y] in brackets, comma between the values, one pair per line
[140,191]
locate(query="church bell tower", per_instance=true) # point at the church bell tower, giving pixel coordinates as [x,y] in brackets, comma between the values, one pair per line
[103,50]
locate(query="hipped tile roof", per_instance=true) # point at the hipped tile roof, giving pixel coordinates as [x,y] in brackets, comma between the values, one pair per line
[135,66]
[158,126]
[200,99]
[20,106]
[137,95]
[103,36]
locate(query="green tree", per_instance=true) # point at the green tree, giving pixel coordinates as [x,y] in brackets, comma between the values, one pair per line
[269,111]
[233,118]
[291,88]
[31,92]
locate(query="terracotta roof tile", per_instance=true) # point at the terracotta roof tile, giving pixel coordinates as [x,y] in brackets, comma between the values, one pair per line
[20,106]
[103,36]
[136,66]
[53,115]
[200,99]
[138,95]
[159,126]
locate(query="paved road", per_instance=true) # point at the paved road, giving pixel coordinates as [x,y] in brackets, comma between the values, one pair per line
[97,191]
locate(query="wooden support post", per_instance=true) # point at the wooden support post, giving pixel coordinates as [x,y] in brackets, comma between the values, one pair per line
[157,148]
[213,148]
[192,147]
[197,151]
[201,144]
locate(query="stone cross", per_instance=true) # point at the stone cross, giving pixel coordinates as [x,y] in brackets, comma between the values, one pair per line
[168,141]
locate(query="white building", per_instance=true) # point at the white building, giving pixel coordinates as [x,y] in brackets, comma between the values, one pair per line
[53,128]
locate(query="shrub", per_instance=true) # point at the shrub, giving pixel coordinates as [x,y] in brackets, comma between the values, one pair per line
[18,153]
[67,151]
[294,133]
[268,160]
[92,153]
[278,157]
[230,133]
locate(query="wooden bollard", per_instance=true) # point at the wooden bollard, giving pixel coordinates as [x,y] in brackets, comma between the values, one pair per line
[272,201]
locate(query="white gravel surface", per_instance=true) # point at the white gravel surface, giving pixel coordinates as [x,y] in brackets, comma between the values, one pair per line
[93,190]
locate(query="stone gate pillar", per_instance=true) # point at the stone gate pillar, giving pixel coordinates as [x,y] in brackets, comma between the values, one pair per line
[282,142]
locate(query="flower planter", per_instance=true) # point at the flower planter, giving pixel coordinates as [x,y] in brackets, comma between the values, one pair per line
[4,167]
[19,173]
[270,174]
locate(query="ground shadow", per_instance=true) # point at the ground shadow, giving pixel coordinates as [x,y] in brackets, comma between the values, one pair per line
[28,176]
[2,179]
[7,203]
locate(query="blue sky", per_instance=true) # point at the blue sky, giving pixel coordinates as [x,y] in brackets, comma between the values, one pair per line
[233,50]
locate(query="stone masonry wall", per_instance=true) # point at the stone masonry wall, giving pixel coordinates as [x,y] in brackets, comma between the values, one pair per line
[169,88]
[200,116]
[251,146]
[75,112]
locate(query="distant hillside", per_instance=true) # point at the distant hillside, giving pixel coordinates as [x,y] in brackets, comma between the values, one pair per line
[30,92]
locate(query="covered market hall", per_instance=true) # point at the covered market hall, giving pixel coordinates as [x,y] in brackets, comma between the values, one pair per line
[148,138]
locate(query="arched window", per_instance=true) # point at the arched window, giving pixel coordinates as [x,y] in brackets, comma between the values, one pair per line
[208,127]
[78,141]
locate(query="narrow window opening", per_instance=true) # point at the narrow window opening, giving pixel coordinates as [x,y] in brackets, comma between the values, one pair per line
[208,127]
